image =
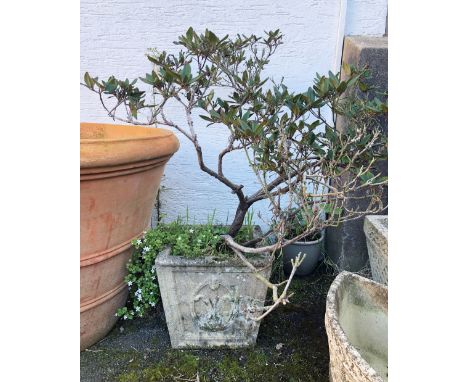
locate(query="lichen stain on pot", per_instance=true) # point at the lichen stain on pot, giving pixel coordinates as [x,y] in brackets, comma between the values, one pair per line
[120,172]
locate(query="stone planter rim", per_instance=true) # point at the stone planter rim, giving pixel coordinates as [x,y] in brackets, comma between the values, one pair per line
[331,307]
[165,259]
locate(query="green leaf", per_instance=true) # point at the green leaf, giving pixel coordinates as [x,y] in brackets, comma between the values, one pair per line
[338,211]
[111,86]
[214,114]
[186,72]
[314,124]
[244,77]
[133,110]
[206,118]
[88,80]
[366,176]
[190,33]
[346,69]
[327,208]
[244,125]
[341,87]
[363,87]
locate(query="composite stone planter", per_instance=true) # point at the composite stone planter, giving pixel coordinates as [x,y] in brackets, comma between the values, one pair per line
[376,230]
[356,321]
[120,171]
[313,252]
[210,303]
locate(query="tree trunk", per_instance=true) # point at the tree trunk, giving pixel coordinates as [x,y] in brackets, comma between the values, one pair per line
[238,221]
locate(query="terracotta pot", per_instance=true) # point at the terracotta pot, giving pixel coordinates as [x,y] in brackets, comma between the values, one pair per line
[120,171]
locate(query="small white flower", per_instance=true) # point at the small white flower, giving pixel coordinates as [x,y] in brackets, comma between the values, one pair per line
[138,292]
[146,249]
[139,297]
[152,304]
[153,278]
[125,317]
[191,230]
[199,240]
[138,242]
[144,232]
[179,238]
[137,308]
[130,283]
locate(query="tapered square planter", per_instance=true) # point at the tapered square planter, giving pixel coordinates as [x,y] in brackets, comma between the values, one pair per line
[209,302]
[376,230]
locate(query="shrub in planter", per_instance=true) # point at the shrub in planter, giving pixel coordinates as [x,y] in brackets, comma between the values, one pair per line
[293,149]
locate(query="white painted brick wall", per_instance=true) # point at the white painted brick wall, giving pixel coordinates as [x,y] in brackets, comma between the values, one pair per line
[116,33]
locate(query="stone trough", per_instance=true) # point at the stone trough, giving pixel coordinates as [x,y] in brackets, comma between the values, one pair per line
[356,321]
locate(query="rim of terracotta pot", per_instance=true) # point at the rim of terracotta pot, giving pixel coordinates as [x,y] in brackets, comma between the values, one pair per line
[105,144]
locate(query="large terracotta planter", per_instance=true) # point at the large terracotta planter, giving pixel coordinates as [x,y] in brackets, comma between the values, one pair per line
[120,171]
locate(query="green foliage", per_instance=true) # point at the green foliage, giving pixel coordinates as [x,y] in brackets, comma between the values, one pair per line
[297,224]
[185,239]
[285,134]
[256,109]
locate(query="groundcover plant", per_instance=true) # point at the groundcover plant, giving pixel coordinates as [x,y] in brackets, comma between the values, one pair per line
[302,162]
[186,239]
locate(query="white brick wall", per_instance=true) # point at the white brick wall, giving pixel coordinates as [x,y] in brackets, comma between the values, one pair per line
[116,33]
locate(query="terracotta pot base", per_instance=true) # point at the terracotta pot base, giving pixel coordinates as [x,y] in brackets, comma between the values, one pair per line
[92,325]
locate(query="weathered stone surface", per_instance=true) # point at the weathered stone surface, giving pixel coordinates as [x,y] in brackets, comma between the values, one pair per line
[356,321]
[346,244]
[210,302]
[376,231]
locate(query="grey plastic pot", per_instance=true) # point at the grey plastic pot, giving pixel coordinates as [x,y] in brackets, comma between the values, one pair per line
[313,252]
